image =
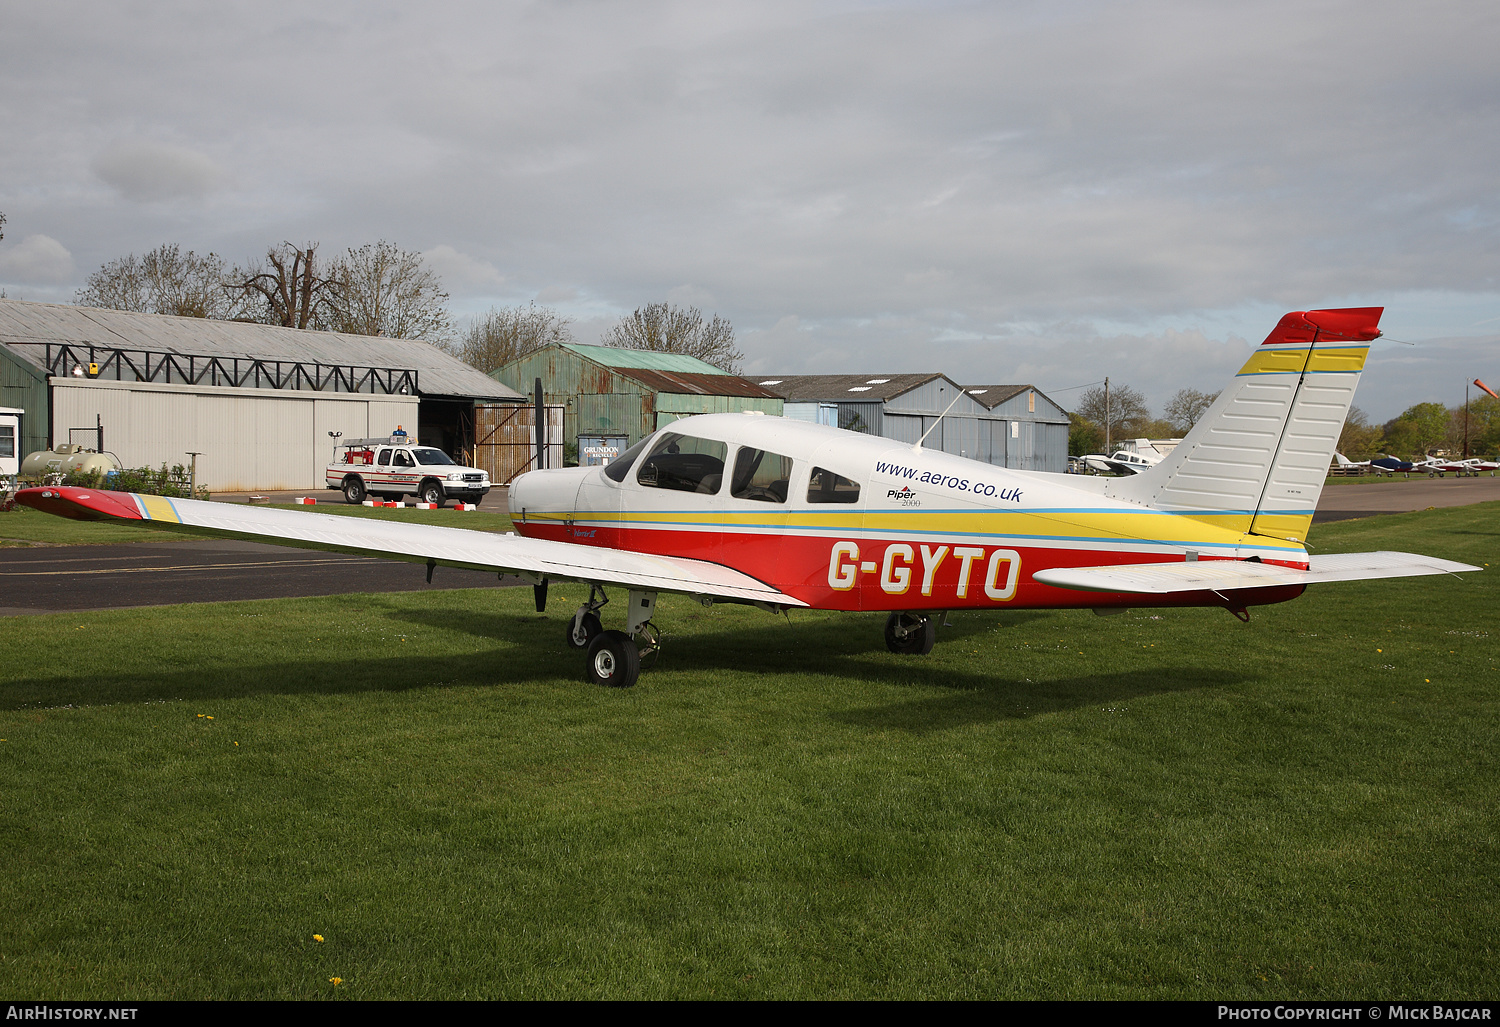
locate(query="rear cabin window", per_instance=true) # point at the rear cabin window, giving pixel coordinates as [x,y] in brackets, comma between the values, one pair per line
[827,487]
[685,464]
[761,475]
[384,460]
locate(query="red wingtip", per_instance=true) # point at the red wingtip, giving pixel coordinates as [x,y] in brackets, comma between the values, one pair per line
[80,504]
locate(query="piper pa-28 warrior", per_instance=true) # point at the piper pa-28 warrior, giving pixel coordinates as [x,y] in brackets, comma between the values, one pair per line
[784,515]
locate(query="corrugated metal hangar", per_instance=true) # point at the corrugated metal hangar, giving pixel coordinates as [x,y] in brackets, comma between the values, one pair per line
[256,402]
[1006,425]
[612,397]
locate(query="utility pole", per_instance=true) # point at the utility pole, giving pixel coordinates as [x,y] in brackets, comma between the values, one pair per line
[1106,415]
[1466,418]
[193,476]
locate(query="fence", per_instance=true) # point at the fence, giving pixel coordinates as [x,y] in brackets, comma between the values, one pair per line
[505,439]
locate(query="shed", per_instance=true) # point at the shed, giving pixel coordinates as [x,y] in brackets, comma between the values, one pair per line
[611,398]
[905,407]
[256,402]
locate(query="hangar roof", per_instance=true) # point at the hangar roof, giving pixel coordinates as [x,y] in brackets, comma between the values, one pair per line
[650,360]
[830,388]
[28,327]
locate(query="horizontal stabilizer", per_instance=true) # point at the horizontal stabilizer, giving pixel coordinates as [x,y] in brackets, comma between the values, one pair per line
[416,543]
[1224,575]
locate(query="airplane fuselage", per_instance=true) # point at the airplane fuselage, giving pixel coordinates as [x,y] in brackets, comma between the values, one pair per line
[898,529]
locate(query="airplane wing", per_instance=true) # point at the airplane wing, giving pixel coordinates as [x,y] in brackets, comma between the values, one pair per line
[415,543]
[1224,575]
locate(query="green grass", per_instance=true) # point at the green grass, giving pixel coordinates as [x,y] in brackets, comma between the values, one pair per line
[1165,804]
[1383,479]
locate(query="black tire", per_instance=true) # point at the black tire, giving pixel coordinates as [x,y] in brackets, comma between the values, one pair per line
[920,634]
[354,489]
[613,660]
[588,629]
[433,493]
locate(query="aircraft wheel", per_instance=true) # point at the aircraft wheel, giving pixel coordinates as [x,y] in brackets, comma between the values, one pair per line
[354,490]
[614,660]
[909,634]
[587,630]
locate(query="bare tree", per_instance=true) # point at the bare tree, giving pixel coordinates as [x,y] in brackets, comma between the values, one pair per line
[2,224]
[286,288]
[164,281]
[507,333]
[663,328]
[382,289]
[1186,406]
[1127,413]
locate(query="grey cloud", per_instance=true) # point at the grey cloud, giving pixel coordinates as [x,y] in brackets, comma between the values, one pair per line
[1009,185]
[148,171]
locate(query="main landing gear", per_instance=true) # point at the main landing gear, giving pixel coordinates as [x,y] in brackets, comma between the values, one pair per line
[615,657]
[910,634]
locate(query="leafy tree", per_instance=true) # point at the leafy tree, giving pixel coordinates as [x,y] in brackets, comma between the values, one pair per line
[1417,430]
[1127,412]
[663,328]
[1186,407]
[1360,440]
[508,333]
[164,281]
[1483,427]
[286,289]
[382,289]
[1084,436]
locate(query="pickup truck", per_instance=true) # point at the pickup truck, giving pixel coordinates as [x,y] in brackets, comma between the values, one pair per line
[383,470]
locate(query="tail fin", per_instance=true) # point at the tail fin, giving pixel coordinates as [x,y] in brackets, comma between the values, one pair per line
[1257,460]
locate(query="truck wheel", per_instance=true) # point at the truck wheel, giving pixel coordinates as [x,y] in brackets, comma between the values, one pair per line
[433,493]
[354,490]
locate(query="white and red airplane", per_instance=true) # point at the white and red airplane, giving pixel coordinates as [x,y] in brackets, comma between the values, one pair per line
[782,514]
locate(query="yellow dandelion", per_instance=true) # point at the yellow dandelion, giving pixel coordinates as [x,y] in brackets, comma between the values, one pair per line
[208,718]
[317,937]
[335,981]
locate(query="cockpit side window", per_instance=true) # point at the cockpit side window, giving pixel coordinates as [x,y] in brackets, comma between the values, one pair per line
[826,487]
[620,465]
[760,475]
[685,464]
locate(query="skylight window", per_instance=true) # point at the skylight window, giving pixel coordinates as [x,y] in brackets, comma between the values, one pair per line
[859,388]
[876,381]
[774,381]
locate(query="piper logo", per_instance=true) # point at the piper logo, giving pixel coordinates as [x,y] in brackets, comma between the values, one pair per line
[905,493]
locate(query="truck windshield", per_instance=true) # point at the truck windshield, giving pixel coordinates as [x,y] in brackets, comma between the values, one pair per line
[431,456]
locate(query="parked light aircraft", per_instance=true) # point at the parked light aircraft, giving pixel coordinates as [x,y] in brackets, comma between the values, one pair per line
[783,515]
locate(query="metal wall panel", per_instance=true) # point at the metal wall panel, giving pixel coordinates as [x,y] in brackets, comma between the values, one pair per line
[248,438]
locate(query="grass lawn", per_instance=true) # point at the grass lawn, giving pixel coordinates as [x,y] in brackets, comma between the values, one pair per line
[1165,804]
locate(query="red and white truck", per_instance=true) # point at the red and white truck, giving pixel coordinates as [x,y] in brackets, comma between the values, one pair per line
[388,468]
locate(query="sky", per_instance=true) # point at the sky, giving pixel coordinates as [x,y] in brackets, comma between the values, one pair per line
[1041,193]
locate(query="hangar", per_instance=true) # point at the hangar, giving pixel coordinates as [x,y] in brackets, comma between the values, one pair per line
[611,397]
[255,402]
[1005,425]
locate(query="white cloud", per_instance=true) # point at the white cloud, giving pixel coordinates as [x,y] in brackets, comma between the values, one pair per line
[38,260]
[462,273]
[148,171]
